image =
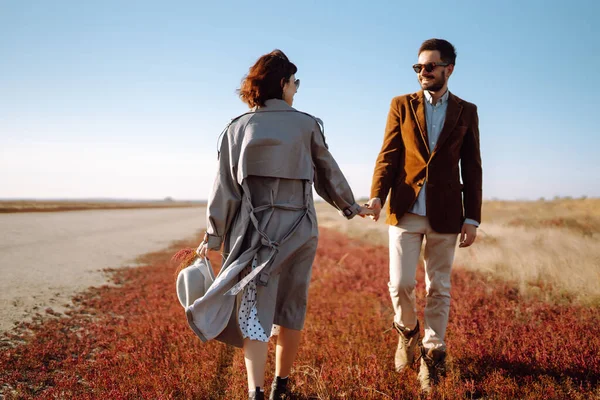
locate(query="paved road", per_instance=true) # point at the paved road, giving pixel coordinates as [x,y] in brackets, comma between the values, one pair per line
[45,258]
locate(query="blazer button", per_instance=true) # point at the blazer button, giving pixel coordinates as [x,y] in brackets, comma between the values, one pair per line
[419,184]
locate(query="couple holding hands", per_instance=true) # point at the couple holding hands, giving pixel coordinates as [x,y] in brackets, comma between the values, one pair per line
[261,212]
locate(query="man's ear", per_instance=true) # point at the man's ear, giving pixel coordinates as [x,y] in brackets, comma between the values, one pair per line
[450,69]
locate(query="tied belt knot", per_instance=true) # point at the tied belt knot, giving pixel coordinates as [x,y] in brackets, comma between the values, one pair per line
[263,270]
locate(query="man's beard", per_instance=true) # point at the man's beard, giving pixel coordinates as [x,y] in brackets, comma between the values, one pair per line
[436,85]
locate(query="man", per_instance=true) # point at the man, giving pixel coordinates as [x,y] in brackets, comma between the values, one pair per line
[431,140]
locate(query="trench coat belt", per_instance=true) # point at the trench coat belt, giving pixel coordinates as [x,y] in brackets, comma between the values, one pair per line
[262,269]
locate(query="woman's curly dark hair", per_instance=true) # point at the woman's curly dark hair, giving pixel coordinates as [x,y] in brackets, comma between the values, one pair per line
[266,78]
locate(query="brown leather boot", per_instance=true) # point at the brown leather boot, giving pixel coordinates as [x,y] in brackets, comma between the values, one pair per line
[407,346]
[433,366]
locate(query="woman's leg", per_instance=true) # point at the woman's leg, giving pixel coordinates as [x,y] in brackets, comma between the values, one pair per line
[288,342]
[255,355]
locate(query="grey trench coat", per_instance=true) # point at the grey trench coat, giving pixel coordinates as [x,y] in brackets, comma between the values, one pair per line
[262,206]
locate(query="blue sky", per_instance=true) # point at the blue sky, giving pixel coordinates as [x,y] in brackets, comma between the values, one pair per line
[126,99]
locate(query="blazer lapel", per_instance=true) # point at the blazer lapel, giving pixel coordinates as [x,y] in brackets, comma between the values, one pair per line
[452,115]
[418,109]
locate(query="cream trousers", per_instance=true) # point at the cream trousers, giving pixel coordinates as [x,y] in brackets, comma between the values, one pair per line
[406,239]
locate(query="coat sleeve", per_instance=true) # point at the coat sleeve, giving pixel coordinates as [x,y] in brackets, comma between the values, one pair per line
[471,171]
[387,160]
[225,199]
[330,182]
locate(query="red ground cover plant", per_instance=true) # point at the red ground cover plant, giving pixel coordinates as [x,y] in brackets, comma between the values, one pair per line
[132,341]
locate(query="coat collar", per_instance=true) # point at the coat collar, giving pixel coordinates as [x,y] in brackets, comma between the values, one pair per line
[275,105]
[452,114]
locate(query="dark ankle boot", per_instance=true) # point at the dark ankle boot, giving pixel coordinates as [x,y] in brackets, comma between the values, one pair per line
[256,395]
[279,389]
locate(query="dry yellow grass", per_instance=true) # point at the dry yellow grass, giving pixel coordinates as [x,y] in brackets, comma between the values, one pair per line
[14,206]
[531,243]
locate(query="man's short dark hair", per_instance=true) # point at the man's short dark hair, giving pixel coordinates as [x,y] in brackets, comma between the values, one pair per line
[447,51]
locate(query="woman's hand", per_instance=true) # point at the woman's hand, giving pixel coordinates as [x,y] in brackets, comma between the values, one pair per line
[375,206]
[202,250]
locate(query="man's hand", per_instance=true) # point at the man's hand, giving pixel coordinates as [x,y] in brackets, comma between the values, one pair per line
[375,205]
[365,211]
[468,233]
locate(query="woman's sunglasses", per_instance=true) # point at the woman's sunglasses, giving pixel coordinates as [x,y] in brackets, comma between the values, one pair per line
[297,83]
[428,67]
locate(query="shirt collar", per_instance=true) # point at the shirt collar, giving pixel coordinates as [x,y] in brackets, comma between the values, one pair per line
[442,99]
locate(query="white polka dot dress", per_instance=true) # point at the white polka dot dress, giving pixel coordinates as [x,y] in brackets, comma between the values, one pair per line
[248,315]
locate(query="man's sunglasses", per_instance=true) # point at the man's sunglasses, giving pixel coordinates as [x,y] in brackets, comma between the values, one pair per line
[428,67]
[297,83]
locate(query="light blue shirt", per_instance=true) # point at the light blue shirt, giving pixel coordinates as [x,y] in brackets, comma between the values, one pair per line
[435,115]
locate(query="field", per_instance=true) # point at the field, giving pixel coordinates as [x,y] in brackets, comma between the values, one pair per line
[532,244]
[14,206]
[512,335]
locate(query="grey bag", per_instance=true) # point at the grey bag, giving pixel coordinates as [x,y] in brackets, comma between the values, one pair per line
[193,281]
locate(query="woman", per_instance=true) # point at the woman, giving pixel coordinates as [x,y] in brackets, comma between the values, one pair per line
[261,209]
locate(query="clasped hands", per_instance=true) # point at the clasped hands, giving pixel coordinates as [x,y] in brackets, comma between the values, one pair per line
[468,232]
[372,209]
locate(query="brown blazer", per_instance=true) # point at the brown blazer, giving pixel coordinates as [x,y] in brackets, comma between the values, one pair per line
[405,163]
